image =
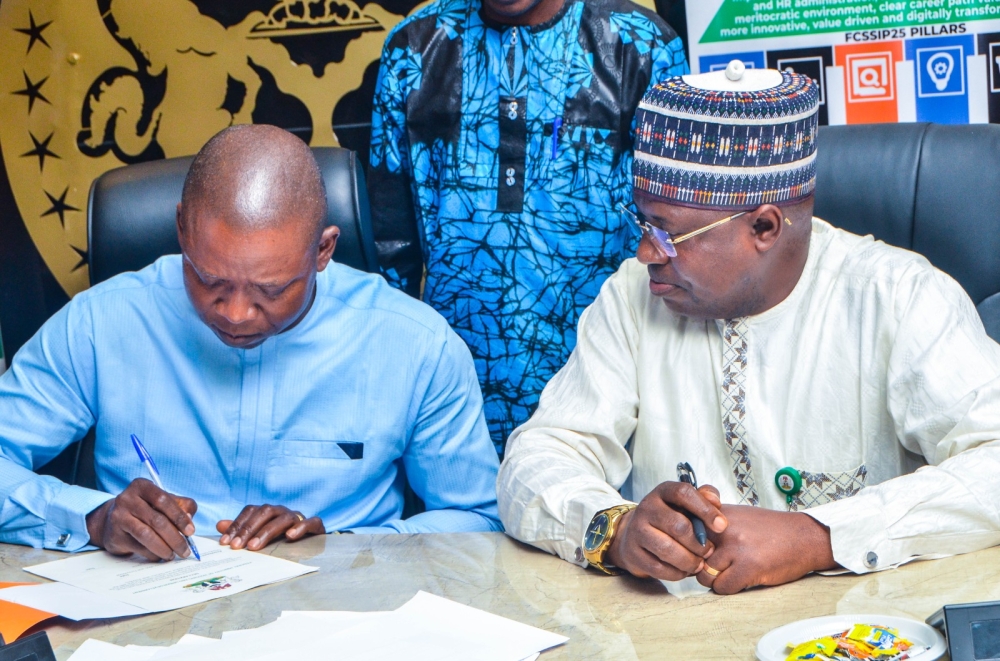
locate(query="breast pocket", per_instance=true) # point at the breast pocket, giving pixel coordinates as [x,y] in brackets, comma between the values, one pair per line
[821,488]
[316,453]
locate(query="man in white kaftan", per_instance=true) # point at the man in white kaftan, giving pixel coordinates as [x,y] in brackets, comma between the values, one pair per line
[774,341]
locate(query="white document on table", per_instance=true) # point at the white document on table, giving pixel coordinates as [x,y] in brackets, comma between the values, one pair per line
[96,650]
[430,628]
[427,628]
[69,601]
[427,611]
[160,586]
[285,636]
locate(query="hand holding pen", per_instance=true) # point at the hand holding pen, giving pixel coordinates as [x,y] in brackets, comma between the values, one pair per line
[146,520]
[154,474]
[660,537]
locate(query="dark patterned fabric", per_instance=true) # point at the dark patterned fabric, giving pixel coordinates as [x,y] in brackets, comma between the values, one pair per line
[725,150]
[498,157]
[821,488]
[735,349]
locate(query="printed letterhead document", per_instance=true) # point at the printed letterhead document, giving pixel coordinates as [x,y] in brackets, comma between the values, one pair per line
[160,586]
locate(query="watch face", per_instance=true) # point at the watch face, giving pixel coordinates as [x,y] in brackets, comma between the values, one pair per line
[597,532]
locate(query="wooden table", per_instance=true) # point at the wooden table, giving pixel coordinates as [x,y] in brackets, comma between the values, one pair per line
[614,618]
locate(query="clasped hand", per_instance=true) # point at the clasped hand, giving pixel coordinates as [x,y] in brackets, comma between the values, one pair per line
[746,547]
[145,520]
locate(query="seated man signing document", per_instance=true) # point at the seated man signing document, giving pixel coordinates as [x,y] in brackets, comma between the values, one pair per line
[279,394]
[802,372]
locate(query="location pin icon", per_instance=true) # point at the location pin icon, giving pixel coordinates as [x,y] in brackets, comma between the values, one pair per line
[939,68]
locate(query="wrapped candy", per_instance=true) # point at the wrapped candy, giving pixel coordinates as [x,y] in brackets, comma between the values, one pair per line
[860,642]
[821,649]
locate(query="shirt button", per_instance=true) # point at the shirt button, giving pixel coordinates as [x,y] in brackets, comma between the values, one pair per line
[579,554]
[63,539]
[871,560]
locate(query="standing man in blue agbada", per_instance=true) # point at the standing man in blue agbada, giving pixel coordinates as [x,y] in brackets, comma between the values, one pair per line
[280,393]
[501,145]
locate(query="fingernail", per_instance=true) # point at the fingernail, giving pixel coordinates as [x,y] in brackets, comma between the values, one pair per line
[224,540]
[235,542]
[189,530]
[701,565]
[718,524]
[253,542]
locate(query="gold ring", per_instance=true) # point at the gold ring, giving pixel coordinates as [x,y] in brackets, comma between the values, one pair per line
[301,518]
[710,571]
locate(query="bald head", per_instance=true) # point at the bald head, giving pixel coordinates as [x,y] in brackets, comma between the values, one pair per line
[256,177]
[251,226]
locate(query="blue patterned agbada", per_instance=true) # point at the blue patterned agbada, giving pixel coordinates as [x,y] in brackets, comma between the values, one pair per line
[498,157]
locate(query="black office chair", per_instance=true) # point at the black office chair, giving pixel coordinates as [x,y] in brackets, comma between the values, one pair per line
[131,222]
[132,210]
[930,188]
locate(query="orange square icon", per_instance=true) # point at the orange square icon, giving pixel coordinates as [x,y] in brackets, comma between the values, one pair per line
[870,80]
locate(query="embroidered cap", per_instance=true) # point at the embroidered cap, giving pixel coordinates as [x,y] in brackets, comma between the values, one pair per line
[732,139]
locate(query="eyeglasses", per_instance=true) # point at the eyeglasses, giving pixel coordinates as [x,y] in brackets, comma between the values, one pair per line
[661,238]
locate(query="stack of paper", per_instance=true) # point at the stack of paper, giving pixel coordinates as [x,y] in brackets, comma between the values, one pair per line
[427,628]
[15,619]
[100,585]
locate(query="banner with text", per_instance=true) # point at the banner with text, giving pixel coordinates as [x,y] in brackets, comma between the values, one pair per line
[874,60]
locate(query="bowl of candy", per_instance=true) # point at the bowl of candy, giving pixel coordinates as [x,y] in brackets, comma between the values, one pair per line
[850,637]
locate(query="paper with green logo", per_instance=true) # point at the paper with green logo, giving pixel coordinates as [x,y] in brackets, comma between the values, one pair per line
[159,586]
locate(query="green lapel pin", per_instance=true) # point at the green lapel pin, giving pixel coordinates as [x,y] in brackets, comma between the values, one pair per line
[789,482]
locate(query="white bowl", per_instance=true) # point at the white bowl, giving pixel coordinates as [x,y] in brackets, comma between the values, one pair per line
[774,645]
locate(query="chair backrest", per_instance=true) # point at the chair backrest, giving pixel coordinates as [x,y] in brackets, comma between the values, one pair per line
[132,210]
[930,188]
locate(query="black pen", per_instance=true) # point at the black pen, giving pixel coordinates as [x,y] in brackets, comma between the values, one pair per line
[686,474]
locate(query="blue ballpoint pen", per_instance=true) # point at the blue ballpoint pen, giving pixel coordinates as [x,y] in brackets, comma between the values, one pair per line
[556,125]
[154,474]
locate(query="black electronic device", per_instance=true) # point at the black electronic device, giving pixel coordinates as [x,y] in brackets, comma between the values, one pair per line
[35,647]
[972,630]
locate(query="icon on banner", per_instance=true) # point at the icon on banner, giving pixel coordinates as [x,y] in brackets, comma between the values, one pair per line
[939,67]
[721,66]
[940,71]
[995,67]
[870,77]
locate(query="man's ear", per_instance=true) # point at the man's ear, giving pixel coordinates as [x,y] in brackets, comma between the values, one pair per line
[327,244]
[180,227]
[767,226]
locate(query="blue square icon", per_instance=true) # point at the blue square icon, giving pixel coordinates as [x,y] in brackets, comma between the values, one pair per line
[752,60]
[940,71]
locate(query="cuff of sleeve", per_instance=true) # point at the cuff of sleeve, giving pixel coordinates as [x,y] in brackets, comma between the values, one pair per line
[66,517]
[372,530]
[581,513]
[858,533]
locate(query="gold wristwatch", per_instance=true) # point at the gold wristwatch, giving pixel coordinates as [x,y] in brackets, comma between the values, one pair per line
[600,534]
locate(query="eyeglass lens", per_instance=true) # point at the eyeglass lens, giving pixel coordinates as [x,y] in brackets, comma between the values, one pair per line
[660,238]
